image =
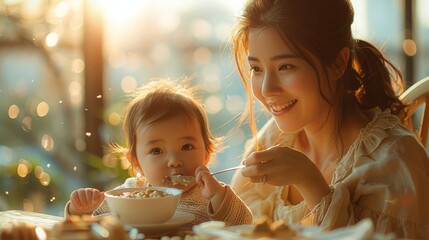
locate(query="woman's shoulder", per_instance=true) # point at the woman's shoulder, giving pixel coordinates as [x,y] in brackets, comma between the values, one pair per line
[385,144]
[385,129]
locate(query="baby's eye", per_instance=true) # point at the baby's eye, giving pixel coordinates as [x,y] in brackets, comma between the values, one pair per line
[285,67]
[188,147]
[156,151]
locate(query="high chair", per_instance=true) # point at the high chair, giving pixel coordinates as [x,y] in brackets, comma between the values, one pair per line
[417,119]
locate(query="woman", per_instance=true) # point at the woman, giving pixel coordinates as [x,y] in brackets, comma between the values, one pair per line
[336,150]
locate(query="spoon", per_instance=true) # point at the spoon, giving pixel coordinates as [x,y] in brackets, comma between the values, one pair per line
[185,180]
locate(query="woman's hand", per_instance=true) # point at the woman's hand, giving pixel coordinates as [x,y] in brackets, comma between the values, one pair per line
[85,201]
[280,166]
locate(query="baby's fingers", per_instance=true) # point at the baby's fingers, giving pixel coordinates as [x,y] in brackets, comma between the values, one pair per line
[97,198]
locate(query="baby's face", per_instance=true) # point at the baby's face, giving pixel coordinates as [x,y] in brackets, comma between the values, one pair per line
[171,147]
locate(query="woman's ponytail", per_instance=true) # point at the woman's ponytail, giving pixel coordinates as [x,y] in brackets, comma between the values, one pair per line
[381,82]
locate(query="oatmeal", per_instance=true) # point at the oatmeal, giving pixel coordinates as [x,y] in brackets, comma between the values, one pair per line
[147,193]
[181,180]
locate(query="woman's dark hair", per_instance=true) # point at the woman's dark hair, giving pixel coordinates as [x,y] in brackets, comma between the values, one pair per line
[321,29]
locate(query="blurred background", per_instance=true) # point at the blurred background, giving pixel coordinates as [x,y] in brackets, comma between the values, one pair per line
[66,67]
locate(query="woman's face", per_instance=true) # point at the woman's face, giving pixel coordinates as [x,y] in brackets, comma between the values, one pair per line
[284,83]
[173,146]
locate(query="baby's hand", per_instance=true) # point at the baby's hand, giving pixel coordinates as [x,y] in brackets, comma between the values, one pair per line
[85,201]
[208,184]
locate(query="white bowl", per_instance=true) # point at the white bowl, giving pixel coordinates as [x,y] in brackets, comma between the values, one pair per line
[148,210]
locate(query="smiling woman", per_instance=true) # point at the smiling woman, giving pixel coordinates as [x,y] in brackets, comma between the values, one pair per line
[336,150]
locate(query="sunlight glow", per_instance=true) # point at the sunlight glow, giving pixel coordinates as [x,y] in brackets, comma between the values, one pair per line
[52,39]
[61,9]
[360,24]
[422,9]
[119,11]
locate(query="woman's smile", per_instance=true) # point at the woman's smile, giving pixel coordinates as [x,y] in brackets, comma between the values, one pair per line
[277,109]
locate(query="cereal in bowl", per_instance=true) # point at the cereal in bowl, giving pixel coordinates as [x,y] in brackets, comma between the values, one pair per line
[146,193]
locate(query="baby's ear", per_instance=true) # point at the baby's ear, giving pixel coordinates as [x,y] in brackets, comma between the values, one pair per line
[134,163]
[207,158]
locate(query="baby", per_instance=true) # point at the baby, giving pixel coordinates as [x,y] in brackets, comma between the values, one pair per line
[168,135]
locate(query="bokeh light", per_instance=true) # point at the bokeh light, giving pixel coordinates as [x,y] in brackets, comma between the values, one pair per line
[114,118]
[409,46]
[202,56]
[27,124]
[201,29]
[80,145]
[52,39]
[75,92]
[47,142]
[42,109]
[78,65]
[45,179]
[213,104]
[128,84]
[235,104]
[13,111]
[160,53]
[22,170]
[38,170]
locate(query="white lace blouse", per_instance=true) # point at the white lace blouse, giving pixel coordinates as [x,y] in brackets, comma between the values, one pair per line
[384,176]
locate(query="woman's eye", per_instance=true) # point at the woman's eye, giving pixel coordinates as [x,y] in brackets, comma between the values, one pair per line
[285,67]
[156,151]
[255,69]
[188,147]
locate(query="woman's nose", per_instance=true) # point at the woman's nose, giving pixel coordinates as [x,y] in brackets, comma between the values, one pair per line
[270,85]
[174,162]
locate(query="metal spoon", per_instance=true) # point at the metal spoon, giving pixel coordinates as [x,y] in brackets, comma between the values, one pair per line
[185,180]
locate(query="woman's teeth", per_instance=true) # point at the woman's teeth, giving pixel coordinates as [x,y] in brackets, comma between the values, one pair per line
[278,108]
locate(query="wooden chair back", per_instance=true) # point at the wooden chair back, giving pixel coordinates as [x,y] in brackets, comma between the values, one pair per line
[417,119]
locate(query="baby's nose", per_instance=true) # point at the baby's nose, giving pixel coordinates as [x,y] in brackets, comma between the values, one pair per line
[175,162]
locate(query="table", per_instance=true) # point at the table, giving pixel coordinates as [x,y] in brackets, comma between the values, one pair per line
[38,219]
[47,222]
